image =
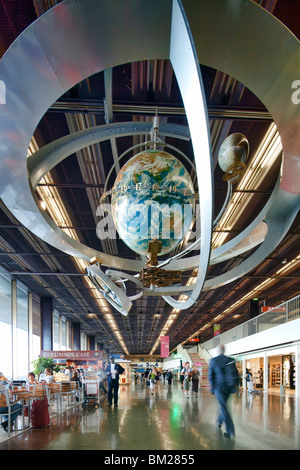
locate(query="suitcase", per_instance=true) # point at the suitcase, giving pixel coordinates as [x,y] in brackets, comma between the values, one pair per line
[40,413]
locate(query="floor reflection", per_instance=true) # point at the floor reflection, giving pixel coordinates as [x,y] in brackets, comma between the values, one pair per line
[167,420]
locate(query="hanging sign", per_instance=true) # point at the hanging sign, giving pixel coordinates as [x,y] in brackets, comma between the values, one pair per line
[164,346]
[217,329]
[276,309]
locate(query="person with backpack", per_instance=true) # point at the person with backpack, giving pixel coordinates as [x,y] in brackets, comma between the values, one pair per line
[113,371]
[187,372]
[169,376]
[223,377]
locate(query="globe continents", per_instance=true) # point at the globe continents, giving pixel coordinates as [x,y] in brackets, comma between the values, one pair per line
[152,198]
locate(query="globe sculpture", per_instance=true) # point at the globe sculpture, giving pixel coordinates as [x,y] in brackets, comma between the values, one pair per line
[232,155]
[152,199]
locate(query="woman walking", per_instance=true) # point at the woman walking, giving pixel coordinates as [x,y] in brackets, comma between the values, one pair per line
[195,380]
[187,373]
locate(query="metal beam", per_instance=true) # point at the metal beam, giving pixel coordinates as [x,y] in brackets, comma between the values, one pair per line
[214,112]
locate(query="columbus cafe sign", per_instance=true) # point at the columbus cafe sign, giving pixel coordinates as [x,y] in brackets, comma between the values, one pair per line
[74,355]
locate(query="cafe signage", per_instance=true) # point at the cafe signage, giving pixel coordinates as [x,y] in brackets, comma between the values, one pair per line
[73,355]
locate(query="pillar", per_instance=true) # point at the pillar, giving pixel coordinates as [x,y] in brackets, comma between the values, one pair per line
[297,372]
[76,336]
[244,374]
[266,375]
[92,343]
[46,324]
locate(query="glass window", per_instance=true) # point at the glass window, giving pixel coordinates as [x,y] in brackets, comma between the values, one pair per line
[5,328]
[56,342]
[63,334]
[22,334]
[36,328]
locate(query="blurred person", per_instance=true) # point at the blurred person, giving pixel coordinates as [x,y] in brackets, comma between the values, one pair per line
[181,377]
[221,388]
[3,378]
[186,371]
[31,379]
[195,380]
[49,378]
[152,379]
[169,377]
[16,410]
[249,380]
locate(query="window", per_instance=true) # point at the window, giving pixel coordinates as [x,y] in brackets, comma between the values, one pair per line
[5,327]
[36,329]
[56,332]
[22,351]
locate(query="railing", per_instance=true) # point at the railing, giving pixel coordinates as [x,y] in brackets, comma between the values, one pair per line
[278,315]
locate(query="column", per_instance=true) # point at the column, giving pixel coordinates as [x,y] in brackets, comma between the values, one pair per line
[297,372]
[14,329]
[76,336]
[266,375]
[244,375]
[92,343]
[46,324]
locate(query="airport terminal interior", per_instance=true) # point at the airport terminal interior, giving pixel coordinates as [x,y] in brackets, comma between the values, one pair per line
[149,212]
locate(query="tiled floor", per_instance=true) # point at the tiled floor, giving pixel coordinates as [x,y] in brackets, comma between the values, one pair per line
[168,421]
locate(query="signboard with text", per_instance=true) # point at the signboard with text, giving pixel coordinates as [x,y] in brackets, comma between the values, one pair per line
[276,309]
[74,355]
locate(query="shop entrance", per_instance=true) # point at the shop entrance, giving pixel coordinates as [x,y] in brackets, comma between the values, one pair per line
[282,371]
[255,367]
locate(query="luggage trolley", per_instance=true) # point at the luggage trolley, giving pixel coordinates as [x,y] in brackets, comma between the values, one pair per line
[252,387]
[90,394]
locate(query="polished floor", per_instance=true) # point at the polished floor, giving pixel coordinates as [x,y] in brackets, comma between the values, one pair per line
[168,421]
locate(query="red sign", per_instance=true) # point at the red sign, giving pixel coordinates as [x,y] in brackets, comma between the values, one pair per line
[164,346]
[217,329]
[194,340]
[74,355]
[277,309]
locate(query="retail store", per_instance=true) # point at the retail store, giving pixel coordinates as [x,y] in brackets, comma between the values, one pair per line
[272,370]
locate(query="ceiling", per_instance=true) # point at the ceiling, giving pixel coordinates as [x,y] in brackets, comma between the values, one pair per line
[72,191]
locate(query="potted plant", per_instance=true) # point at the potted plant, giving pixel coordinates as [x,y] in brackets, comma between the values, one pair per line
[43,363]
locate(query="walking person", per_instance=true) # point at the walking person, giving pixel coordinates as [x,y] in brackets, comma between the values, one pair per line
[152,379]
[249,380]
[113,371]
[169,377]
[187,373]
[195,380]
[181,378]
[223,377]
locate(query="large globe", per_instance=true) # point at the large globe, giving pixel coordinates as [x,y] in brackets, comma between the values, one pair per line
[153,199]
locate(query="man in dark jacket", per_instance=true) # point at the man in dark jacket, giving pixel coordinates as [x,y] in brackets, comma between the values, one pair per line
[113,371]
[221,389]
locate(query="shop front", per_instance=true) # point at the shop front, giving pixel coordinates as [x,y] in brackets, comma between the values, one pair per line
[272,371]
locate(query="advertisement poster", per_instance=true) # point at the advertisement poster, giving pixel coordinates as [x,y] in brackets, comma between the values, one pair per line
[217,329]
[164,346]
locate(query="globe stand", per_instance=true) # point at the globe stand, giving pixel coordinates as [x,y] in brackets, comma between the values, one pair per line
[235,172]
[151,275]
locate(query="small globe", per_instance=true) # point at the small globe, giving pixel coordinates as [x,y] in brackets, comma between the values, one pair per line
[152,199]
[234,149]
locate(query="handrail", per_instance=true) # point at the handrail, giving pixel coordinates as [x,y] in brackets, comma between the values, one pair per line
[282,313]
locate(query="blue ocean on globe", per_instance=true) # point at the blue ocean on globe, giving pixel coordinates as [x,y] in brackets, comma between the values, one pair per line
[153,199]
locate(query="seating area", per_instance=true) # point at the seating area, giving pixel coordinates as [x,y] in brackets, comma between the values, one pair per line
[61,396]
